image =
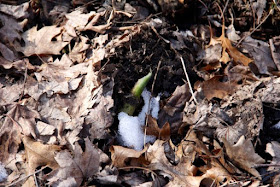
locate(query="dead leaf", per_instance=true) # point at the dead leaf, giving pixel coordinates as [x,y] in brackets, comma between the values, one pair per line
[273,148]
[17,11]
[19,120]
[40,42]
[172,112]
[10,93]
[275,49]
[243,155]
[179,175]
[229,50]
[78,53]
[261,53]
[214,88]
[78,20]
[122,156]
[153,129]
[80,166]
[38,154]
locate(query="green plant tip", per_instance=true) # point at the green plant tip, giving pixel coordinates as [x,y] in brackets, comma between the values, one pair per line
[140,85]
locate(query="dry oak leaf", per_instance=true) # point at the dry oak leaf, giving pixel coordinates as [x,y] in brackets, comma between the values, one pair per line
[243,155]
[82,165]
[214,88]
[19,120]
[39,154]
[180,175]
[40,42]
[121,155]
[229,50]
[153,129]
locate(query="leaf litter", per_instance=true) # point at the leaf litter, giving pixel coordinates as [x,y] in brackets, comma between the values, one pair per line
[64,79]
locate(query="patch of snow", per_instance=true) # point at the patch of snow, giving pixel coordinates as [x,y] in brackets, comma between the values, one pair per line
[3,173]
[131,127]
[277,125]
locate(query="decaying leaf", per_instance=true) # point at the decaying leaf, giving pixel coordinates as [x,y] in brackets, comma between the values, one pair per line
[229,50]
[40,42]
[80,166]
[172,112]
[261,53]
[38,154]
[180,175]
[243,155]
[121,156]
[153,129]
[214,88]
[78,53]
[273,149]
[19,120]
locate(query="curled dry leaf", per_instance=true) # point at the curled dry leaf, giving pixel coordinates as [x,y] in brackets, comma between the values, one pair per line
[273,149]
[243,155]
[179,175]
[121,156]
[229,50]
[153,129]
[80,166]
[172,112]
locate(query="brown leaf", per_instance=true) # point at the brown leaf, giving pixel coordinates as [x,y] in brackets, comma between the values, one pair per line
[19,120]
[38,154]
[273,149]
[78,53]
[153,129]
[243,155]
[122,156]
[214,88]
[181,174]
[261,53]
[40,42]
[229,50]
[172,112]
[80,166]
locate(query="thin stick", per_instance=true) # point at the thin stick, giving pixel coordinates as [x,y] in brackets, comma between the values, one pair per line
[137,167]
[188,80]
[153,85]
[27,176]
[24,81]
[35,179]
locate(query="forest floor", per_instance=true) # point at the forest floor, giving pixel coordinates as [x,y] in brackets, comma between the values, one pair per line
[67,68]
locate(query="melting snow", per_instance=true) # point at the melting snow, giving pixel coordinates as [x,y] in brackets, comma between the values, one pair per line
[131,127]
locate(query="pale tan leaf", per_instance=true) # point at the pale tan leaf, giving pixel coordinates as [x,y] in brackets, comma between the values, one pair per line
[243,155]
[120,155]
[20,119]
[39,42]
[273,148]
[38,154]
[80,166]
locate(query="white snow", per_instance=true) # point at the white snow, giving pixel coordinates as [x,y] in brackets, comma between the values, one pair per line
[277,125]
[3,173]
[131,127]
